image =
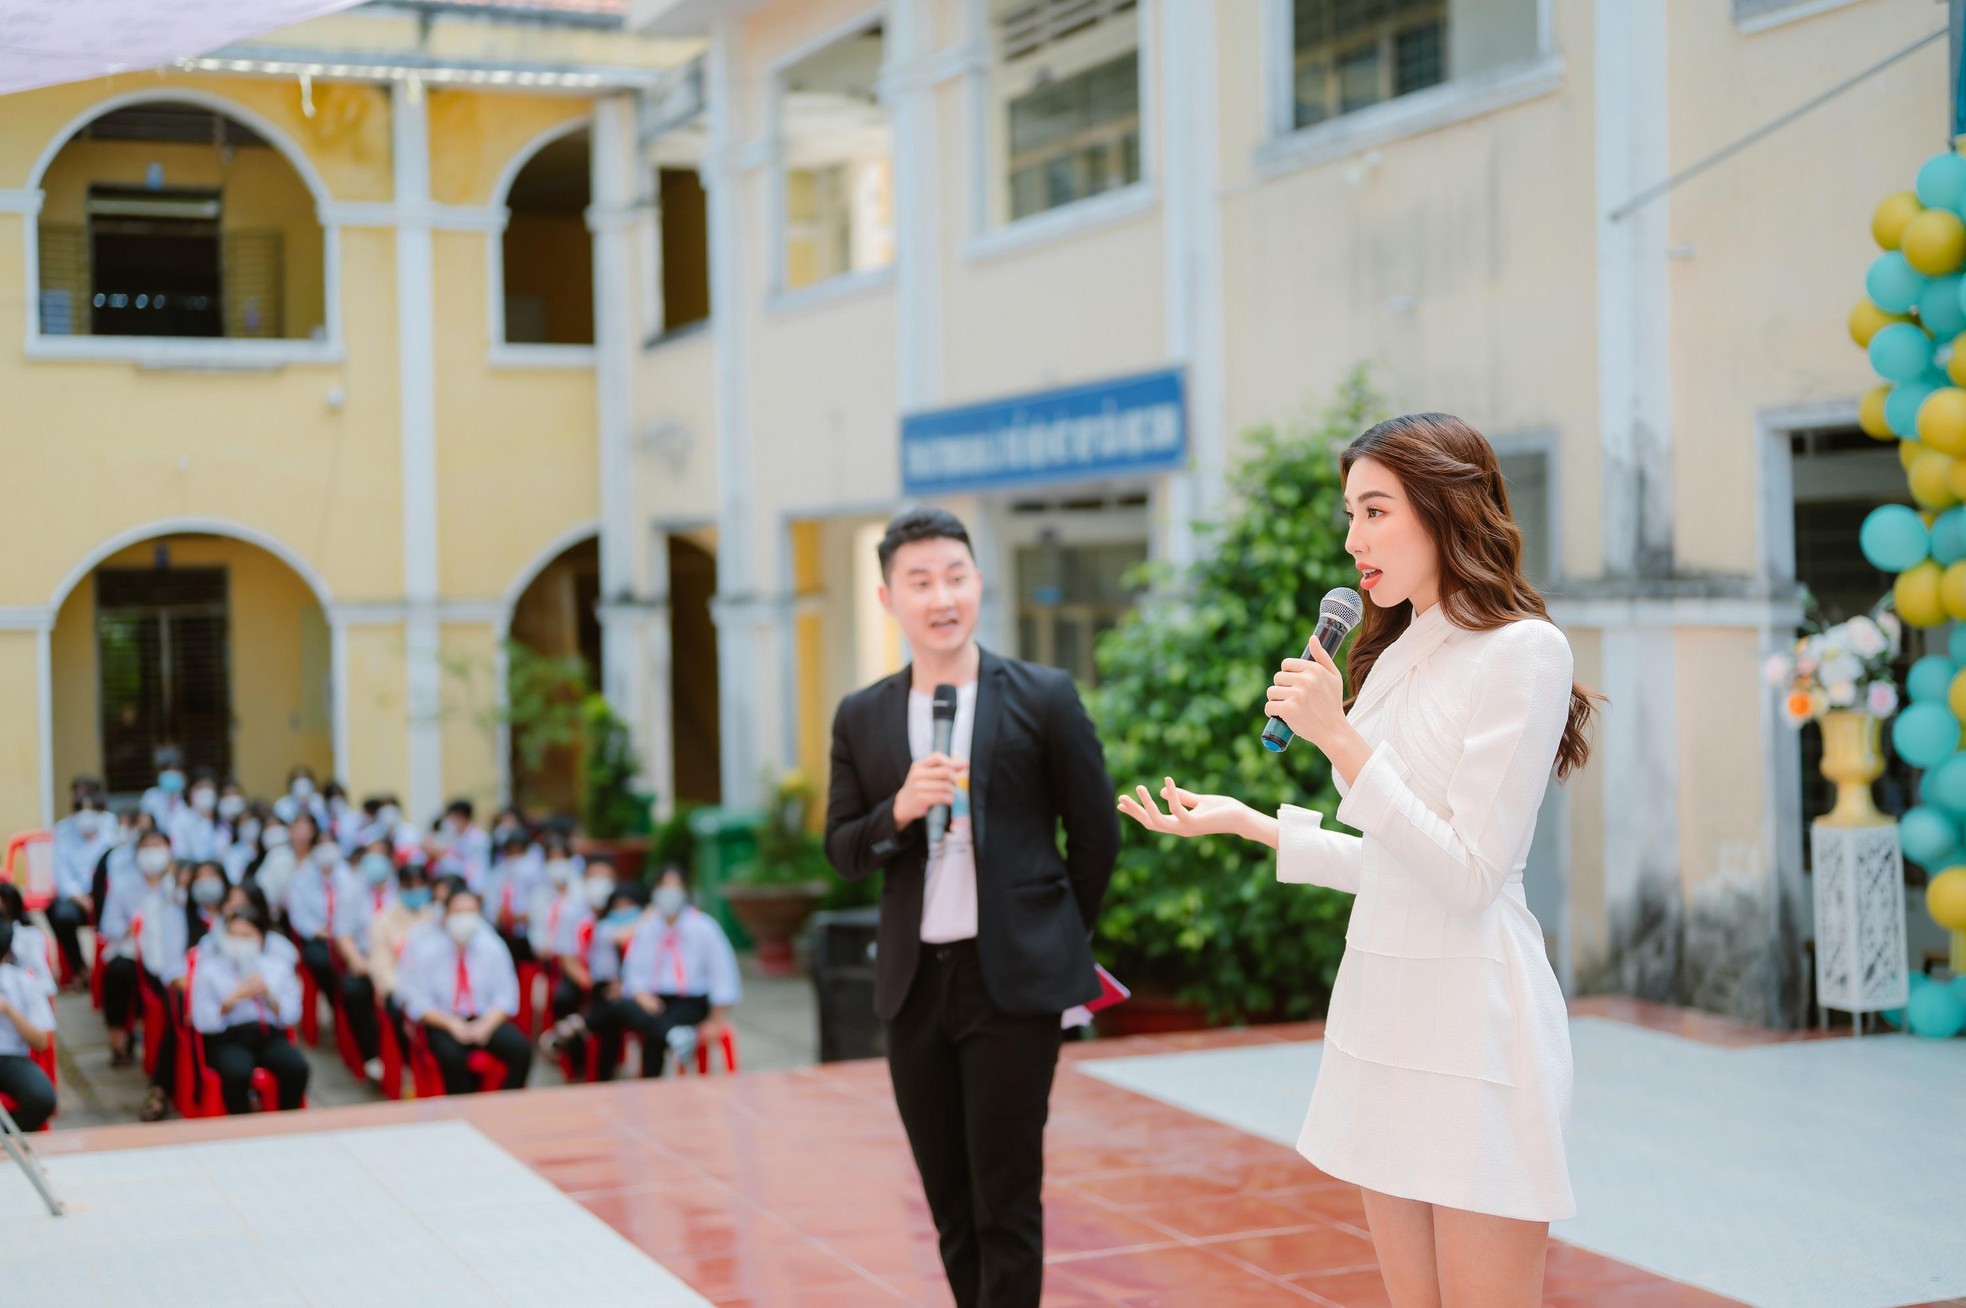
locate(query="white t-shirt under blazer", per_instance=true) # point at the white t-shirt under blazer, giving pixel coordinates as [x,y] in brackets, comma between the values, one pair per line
[1446,1072]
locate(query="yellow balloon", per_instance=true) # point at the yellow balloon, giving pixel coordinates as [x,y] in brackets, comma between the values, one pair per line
[1942,420]
[1956,365]
[1952,590]
[1945,899]
[1916,592]
[1956,694]
[1931,480]
[1887,222]
[1870,414]
[1908,452]
[1935,242]
[1866,320]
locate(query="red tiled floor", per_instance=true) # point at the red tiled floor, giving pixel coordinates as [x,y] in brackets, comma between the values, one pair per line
[797,1190]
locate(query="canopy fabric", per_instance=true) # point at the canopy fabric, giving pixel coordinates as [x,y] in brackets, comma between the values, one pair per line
[46,42]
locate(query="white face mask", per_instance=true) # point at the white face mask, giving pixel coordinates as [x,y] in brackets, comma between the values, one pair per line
[389,815]
[276,838]
[598,891]
[301,789]
[88,822]
[231,806]
[325,854]
[559,870]
[153,861]
[670,900]
[463,925]
[241,950]
[249,831]
[337,806]
[204,799]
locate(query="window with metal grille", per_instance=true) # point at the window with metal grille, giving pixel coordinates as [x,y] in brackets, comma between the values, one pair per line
[1349,54]
[164,670]
[1076,137]
[1026,29]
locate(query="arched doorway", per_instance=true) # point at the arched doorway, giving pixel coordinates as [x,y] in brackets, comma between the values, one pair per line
[206,643]
[546,255]
[556,628]
[693,706]
[171,217]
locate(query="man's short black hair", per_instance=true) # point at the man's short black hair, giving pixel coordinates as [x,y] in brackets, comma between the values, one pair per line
[911,525]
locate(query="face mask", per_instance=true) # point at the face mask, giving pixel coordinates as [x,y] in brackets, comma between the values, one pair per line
[285,808]
[276,838]
[241,950]
[88,822]
[622,917]
[598,892]
[152,861]
[207,892]
[670,900]
[462,926]
[415,899]
[559,870]
[249,831]
[337,806]
[302,789]
[389,815]
[170,782]
[376,869]
[231,806]
[324,855]
[204,800]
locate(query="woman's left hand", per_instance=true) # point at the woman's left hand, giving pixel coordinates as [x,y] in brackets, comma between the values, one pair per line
[1309,695]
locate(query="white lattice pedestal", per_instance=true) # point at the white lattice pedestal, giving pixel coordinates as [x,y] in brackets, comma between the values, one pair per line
[1860,919]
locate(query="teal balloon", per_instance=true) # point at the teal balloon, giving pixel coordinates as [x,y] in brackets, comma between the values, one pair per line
[1925,735]
[1936,1013]
[1901,406]
[1942,182]
[1918,979]
[1945,785]
[1949,537]
[1894,538]
[1939,307]
[1893,284]
[1901,352]
[1927,835]
[1893,1018]
[1930,679]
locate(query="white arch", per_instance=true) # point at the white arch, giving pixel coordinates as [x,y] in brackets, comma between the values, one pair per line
[553,549]
[517,163]
[273,545]
[272,135]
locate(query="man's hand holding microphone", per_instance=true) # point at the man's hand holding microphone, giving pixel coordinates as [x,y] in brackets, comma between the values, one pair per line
[931,783]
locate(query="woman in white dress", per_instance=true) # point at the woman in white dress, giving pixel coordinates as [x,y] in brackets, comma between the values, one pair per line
[1444,1087]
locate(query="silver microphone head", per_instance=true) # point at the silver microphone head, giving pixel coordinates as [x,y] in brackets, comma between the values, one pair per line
[1344,606]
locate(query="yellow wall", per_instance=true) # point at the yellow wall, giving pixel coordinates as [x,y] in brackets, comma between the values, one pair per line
[261,191]
[482,133]
[1721,800]
[470,706]
[277,640]
[378,705]
[20,741]
[675,393]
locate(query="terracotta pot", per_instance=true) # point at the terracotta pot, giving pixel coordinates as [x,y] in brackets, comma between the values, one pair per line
[629,854]
[774,916]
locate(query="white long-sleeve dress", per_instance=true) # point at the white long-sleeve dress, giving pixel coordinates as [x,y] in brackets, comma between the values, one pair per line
[1446,1071]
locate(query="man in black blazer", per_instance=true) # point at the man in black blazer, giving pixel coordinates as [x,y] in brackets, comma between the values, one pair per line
[985,940]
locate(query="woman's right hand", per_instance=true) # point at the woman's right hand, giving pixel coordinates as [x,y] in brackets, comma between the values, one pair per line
[1189,814]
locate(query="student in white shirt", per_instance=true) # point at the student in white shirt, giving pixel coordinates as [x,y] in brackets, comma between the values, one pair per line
[459,847]
[364,894]
[81,840]
[508,890]
[459,983]
[311,896]
[32,946]
[162,929]
[129,890]
[681,973]
[194,828]
[163,800]
[609,1009]
[559,912]
[27,1023]
[274,873]
[244,995]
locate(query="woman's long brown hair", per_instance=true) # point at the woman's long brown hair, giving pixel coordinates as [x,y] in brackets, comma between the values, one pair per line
[1452,479]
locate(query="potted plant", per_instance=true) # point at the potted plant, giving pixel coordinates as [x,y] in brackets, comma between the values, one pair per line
[1841,678]
[774,892]
[543,711]
[616,817]
[1200,929]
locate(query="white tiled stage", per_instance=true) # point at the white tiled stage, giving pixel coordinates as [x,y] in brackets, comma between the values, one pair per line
[1815,1174]
[416,1215]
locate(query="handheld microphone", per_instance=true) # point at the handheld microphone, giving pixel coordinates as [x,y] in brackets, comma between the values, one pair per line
[944,717]
[1336,616]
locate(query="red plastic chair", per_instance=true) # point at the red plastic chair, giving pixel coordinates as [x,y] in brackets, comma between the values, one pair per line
[727,1042]
[45,1060]
[155,1017]
[530,1010]
[200,1093]
[427,1079]
[310,1005]
[390,1051]
[96,967]
[31,866]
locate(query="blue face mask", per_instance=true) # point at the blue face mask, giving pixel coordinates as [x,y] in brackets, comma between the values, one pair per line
[170,782]
[376,869]
[415,899]
[622,917]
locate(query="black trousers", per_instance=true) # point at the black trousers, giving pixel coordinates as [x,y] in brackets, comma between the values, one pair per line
[607,1019]
[234,1052]
[358,1005]
[508,1045]
[654,1028]
[29,1087]
[567,999]
[974,1088]
[67,917]
[119,991]
[317,956]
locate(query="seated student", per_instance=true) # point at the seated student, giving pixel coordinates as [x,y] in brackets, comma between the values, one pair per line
[239,899]
[162,928]
[609,1009]
[128,892]
[508,889]
[163,800]
[311,899]
[244,995]
[458,847]
[360,897]
[557,928]
[81,840]
[277,864]
[410,909]
[194,828]
[459,983]
[345,821]
[681,973]
[245,851]
[27,1023]
[31,944]
[302,798]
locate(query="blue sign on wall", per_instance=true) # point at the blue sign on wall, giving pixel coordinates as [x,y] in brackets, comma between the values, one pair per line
[1080,433]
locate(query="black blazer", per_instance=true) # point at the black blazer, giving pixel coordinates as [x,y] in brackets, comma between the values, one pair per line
[1034,761]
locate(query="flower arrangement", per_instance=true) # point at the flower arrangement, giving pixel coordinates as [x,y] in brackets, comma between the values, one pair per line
[1847,666]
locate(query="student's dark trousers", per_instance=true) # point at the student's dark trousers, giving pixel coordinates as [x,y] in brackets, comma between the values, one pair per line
[974,1088]
[508,1045]
[234,1052]
[654,1028]
[33,1094]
